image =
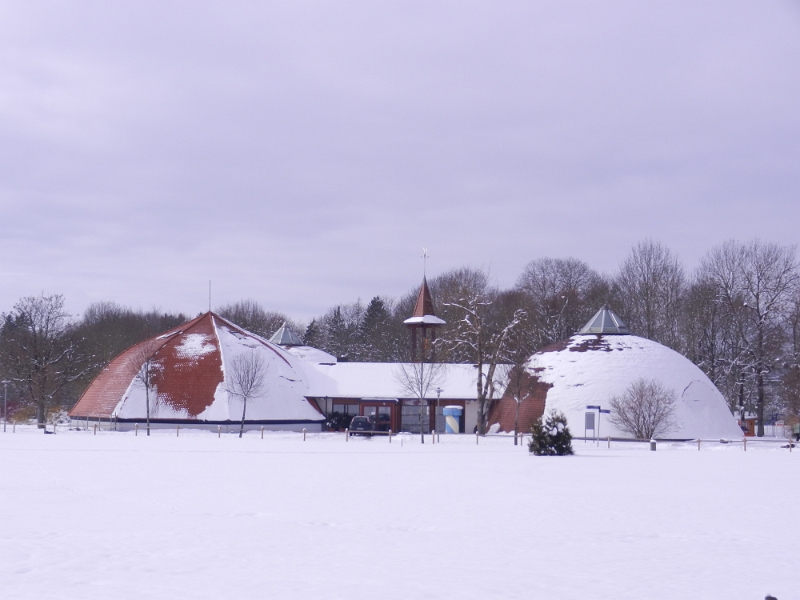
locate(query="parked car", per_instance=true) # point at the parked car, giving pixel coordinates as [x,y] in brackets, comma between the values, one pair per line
[361,426]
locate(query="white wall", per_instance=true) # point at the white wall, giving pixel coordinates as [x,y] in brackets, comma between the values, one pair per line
[470,416]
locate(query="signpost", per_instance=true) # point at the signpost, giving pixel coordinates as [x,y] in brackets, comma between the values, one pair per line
[588,424]
[600,411]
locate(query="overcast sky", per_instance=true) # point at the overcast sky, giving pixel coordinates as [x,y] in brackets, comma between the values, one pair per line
[303,153]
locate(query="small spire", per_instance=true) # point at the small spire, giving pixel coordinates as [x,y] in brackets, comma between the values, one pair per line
[285,337]
[423,310]
[605,322]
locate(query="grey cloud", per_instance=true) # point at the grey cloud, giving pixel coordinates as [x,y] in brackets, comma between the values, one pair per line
[302,153]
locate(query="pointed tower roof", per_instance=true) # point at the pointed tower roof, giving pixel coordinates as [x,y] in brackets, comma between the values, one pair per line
[605,322]
[285,337]
[423,310]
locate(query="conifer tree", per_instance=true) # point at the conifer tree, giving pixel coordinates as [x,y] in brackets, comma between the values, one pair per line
[312,335]
[550,436]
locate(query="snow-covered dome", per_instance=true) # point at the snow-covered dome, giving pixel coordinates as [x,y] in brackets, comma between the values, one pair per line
[590,369]
[192,367]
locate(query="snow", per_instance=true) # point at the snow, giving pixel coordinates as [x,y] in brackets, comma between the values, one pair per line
[594,376]
[379,380]
[113,516]
[424,320]
[282,397]
[283,394]
[311,354]
[195,345]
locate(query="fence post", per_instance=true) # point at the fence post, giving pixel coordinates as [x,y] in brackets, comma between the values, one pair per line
[262,432]
[95,429]
[609,441]
[744,440]
[476,438]
[54,428]
[178,431]
[390,436]
[698,444]
[304,434]
[346,434]
[219,431]
[135,429]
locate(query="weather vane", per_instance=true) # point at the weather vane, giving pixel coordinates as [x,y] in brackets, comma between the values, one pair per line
[424,262]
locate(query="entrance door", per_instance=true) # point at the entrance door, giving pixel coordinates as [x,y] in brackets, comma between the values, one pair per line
[382,416]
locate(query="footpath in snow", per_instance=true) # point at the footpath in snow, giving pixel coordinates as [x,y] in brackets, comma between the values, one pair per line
[114,515]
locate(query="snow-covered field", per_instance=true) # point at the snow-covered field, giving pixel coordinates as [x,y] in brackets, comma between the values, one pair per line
[117,516]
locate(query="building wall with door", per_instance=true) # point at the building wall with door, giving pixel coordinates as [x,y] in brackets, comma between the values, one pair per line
[362,388]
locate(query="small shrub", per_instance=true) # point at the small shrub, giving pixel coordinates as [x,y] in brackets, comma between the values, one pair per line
[338,421]
[645,410]
[550,436]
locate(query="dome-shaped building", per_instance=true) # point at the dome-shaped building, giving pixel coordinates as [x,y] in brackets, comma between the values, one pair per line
[601,362]
[191,372]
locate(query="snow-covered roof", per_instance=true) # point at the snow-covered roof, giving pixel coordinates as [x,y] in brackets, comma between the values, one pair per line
[285,337]
[424,320]
[591,369]
[424,314]
[311,354]
[192,366]
[605,322]
[380,380]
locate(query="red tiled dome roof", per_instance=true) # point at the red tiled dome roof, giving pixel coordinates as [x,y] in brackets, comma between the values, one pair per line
[189,378]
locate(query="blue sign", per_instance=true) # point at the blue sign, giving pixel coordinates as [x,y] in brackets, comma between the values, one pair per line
[591,406]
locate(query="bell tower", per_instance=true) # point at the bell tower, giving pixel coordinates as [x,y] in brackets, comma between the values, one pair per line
[423,324]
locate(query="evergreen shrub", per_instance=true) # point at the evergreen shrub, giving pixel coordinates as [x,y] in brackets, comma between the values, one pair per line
[550,436]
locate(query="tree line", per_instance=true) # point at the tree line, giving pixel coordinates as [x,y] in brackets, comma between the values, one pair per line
[736,316]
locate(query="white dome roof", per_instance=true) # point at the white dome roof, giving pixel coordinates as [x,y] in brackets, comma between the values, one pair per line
[591,369]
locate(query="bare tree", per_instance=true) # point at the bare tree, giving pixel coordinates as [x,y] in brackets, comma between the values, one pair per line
[562,294]
[246,379]
[755,282]
[483,340]
[651,283]
[645,410]
[40,352]
[418,380]
[250,315]
[790,379]
[108,328]
[144,368]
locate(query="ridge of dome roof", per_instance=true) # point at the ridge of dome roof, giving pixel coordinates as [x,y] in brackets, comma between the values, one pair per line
[605,322]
